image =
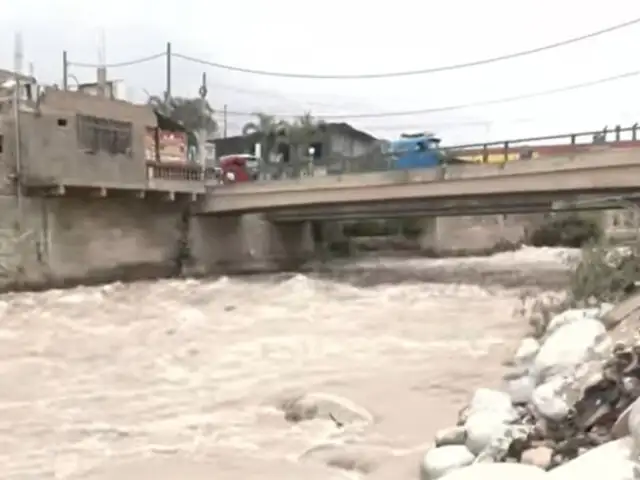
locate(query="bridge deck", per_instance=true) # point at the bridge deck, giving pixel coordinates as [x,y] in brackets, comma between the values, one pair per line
[534,183]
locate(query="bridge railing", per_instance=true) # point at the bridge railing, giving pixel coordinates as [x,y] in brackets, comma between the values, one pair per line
[523,148]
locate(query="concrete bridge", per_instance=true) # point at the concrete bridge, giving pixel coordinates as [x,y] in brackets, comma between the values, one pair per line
[77,206]
[515,187]
[276,217]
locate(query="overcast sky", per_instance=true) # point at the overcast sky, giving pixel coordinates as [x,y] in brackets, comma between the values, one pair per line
[352,37]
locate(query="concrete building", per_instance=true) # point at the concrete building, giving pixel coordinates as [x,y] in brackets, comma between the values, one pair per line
[341,143]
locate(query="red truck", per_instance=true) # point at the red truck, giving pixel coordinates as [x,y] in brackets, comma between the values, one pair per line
[238,168]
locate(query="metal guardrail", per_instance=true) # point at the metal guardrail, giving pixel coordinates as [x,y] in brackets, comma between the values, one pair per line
[521,145]
[376,160]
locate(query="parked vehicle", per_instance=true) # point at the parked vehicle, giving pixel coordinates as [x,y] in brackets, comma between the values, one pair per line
[238,168]
[420,150]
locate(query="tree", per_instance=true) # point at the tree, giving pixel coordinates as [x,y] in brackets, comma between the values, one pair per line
[306,121]
[194,114]
[264,124]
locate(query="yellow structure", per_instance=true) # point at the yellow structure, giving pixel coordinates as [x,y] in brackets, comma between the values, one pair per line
[494,157]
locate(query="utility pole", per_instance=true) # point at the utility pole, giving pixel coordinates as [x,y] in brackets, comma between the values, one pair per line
[17,67]
[204,110]
[65,71]
[102,69]
[224,120]
[167,93]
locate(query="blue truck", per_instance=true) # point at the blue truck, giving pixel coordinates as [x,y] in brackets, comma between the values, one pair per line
[420,150]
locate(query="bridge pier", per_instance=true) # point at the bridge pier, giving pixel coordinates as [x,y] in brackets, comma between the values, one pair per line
[429,239]
[248,244]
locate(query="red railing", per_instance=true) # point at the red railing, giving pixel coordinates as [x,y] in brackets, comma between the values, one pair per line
[566,143]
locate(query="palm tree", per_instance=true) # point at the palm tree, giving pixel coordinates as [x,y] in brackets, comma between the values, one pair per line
[306,120]
[307,126]
[195,114]
[263,124]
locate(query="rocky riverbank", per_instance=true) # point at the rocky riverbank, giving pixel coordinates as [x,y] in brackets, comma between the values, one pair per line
[569,405]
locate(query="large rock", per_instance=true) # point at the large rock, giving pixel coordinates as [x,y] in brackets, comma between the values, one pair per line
[634,423]
[611,461]
[527,351]
[569,346]
[489,400]
[499,471]
[519,386]
[622,312]
[489,413]
[549,400]
[451,436]
[628,423]
[538,456]
[569,316]
[483,428]
[439,461]
[324,406]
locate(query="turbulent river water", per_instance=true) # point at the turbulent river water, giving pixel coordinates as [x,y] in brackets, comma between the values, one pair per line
[183,378]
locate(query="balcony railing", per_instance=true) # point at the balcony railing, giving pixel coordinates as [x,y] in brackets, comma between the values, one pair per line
[179,172]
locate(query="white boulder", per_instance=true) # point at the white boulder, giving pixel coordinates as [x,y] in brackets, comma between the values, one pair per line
[489,400]
[569,316]
[498,471]
[519,387]
[483,428]
[489,413]
[611,461]
[439,461]
[318,405]
[569,346]
[527,351]
[451,436]
[634,423]
[549,400]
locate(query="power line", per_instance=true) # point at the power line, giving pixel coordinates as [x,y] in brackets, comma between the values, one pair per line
[444,68]
[461,106]
[128,63]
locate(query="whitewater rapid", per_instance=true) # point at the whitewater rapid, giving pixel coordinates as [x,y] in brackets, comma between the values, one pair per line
[139,380]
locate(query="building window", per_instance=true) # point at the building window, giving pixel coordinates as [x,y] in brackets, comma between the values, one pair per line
[1,143]
[104,135]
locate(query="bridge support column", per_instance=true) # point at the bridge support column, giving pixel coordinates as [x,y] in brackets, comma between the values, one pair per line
[248,244]
[429,239]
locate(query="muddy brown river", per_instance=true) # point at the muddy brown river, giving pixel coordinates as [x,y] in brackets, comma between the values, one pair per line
[183,378]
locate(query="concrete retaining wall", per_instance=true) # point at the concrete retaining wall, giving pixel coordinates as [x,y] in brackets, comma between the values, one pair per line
[69,240]
[477,233]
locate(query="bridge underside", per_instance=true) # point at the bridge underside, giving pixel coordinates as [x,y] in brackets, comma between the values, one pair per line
[452,207]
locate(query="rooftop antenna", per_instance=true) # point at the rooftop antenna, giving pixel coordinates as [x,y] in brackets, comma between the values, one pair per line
[18,54]
[102,62]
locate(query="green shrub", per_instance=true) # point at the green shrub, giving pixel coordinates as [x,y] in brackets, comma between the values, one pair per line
[574,231]
[604,273]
